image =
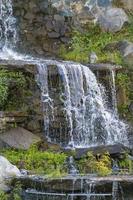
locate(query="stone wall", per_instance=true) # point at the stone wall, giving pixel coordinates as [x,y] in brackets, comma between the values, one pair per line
[23,106]
[43,25]
[41,28]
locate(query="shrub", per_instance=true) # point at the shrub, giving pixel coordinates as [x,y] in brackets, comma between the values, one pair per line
[3,195]
[8,80]
[87,164]
[42,162]
[101,166]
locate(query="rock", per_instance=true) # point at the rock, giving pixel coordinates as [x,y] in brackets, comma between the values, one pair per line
[125,4]
[126,49]
[112,19]
[53,34]
[131,108]
[115,149]
[19,138]
[104,67]
[7,170]
[93,57]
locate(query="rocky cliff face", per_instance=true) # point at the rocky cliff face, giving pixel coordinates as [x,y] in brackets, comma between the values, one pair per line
[44,25]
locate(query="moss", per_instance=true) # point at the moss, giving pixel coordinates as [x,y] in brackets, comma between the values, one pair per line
[93,39]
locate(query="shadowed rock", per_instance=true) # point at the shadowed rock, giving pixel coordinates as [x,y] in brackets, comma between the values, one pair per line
[19,138]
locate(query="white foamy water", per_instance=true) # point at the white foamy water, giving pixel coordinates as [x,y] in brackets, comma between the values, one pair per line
[75,114]
[90,122]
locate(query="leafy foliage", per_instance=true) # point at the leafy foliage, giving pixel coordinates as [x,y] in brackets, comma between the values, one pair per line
[101,166]
[15,194]
[82,44]
[126,163]
[123,83]
[8,80]
[42,162]
[3,196]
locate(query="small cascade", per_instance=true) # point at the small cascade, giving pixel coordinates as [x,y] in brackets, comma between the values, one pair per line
[115,190]
[75,114]
[113,91]
[71,167]
[8,33]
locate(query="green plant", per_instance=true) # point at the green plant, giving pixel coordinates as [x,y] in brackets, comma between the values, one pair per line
[126,163]
[87,164]
[93,39]
[10,80]
[103,165]
[3,195]
[123,84]
[42,162]
[16,192]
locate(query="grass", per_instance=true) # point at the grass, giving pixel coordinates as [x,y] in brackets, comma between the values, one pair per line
[82,44]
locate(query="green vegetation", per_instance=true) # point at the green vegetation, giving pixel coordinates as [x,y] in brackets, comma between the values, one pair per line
[3,195]
[10,84]
[82,44]
[126,163]
[100,166]
[123,83]
[15,194]
[37,161]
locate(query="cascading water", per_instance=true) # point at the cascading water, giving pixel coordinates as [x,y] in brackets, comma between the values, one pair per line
[75,114]
[8,33]
[113,91]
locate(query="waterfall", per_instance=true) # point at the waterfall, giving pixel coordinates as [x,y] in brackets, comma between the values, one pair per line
[113,91]
[75,114]
[8,33]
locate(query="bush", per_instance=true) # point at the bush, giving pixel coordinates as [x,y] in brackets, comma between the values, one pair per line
[87,164]
[103,165]
[42,162]
[3,195]
[9,79]
[100,166]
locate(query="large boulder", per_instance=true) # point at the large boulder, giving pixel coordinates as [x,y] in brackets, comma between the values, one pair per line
[19,138]
[7,170]
[126,49]
[112,19]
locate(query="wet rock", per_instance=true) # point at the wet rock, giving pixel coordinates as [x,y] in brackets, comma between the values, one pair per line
[19,138]
[116,149]
[112,19]
[104,67]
